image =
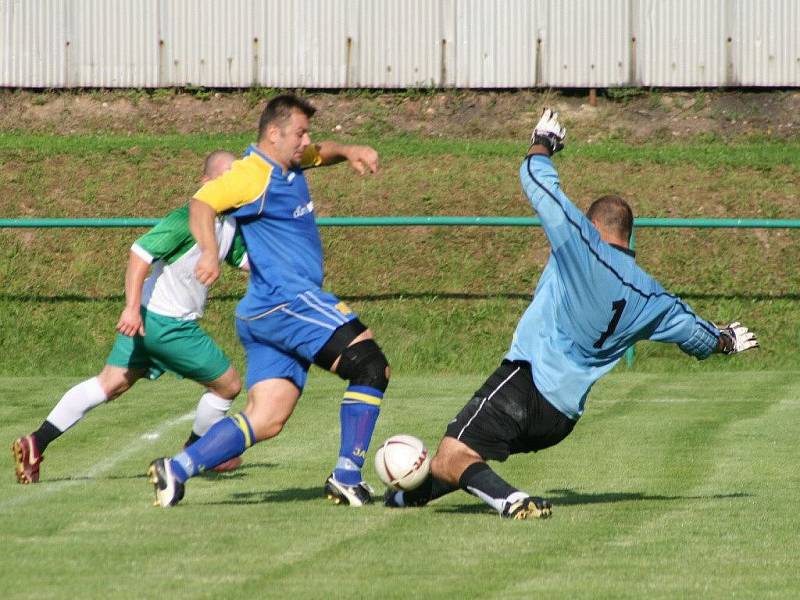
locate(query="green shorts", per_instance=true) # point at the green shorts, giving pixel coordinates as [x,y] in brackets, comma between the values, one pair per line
[170,345]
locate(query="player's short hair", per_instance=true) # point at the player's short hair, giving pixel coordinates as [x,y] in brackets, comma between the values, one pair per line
[614,214]
[211,163]
[279,109]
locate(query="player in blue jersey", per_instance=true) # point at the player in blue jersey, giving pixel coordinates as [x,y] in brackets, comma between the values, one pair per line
[591,304]
[286,322]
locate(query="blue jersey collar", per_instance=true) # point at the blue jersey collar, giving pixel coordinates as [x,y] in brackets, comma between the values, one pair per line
[627,251]
[253,149]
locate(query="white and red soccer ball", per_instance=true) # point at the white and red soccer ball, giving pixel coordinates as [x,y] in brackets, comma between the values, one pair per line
[402,462]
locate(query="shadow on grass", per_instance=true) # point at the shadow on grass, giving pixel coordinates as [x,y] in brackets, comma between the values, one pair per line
[237,474]
[567,497]
[272,496]
[753,295]
[464,509]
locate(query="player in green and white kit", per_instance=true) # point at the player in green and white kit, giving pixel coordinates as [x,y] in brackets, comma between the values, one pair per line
[157,331]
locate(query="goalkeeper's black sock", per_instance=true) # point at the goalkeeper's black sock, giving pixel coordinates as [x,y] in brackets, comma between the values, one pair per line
[46,433]
[430,489]
[479,480]
[193,437]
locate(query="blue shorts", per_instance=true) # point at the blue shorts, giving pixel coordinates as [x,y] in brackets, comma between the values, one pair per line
[282,342]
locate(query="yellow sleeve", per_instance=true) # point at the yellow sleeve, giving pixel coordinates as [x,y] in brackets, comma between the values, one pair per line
[311,157]
[245,182]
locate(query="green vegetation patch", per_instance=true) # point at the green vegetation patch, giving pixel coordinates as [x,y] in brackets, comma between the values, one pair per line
[703,151]
[439,298]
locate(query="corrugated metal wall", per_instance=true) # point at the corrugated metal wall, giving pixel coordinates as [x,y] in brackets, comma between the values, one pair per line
[110,43]
[683,42]
[399,43]
[34,43]
[394,44]
[765,49]
[586,44]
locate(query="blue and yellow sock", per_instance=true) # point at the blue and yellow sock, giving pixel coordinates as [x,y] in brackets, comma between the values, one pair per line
[227,438]
[358,414]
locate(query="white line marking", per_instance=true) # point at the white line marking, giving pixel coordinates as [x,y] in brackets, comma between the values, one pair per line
[36,491]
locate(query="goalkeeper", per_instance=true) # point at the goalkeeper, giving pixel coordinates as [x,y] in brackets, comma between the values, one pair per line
[157,331]
[591,304]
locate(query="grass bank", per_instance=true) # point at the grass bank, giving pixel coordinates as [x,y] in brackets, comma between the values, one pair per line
[440,299]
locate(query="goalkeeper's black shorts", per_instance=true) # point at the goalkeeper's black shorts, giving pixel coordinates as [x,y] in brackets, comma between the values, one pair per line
[508,415]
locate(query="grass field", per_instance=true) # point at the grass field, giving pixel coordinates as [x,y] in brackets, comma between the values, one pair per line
[671,486]
[680,481]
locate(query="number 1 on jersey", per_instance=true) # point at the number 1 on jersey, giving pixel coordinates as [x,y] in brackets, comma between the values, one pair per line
[617,306]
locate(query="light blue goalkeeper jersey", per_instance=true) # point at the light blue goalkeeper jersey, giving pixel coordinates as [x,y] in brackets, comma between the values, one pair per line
[592,302]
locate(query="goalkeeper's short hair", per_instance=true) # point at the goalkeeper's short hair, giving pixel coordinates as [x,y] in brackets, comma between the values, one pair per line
[614,214]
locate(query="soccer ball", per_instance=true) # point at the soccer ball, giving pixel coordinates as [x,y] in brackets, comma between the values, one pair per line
[402,462]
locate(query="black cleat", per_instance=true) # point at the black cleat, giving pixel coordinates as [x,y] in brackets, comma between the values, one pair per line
[530,507]
[389,498]
[352,495]
[169,490]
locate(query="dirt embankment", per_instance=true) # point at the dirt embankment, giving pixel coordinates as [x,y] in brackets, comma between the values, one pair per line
[635,115]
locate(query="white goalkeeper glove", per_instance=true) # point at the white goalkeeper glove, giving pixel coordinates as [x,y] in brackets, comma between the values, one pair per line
[549,132]
[737,338]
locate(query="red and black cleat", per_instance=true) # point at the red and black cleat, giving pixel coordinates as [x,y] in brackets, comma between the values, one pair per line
[27,459]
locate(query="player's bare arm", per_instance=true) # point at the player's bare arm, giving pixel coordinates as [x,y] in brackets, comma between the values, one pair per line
[362,159]
[201,223]
[130,321]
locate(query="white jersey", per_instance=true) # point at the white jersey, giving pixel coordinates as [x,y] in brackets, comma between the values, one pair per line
[172,290]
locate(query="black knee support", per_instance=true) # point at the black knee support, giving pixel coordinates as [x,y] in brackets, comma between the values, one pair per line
[338,342]
[364,364]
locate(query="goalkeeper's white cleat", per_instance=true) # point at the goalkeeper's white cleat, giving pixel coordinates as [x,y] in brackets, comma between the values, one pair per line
[351,495]
[168,489]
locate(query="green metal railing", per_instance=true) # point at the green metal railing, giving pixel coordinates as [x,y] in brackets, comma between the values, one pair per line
[437,222]
[423,221]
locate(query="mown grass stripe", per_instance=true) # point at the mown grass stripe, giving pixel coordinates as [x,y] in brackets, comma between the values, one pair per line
[706,154]
[47,489]
[623,524]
